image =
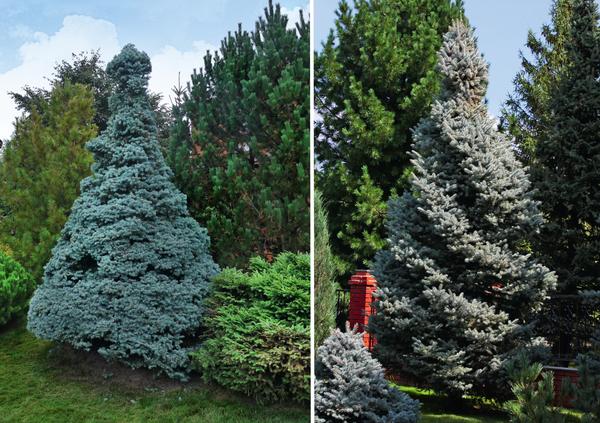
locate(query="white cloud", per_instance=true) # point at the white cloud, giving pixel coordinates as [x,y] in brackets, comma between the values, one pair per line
[169,63]
[39,56]
[294,15]
[41,52]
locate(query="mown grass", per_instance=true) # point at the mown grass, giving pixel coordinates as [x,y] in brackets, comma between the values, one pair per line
[434,409]
[36,387]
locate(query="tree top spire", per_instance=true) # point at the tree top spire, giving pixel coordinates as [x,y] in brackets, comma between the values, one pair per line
[465,72]
[130,69]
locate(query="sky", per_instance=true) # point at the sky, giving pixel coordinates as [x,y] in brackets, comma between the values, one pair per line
[500,26]
[37,34]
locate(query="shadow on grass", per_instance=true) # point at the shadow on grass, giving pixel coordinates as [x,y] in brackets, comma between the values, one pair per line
[435,408]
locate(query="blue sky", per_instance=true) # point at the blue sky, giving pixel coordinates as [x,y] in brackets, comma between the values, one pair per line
[500,26]
[35,34]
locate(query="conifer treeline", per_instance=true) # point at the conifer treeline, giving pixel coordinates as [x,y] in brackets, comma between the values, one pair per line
[481,233]
[237,139]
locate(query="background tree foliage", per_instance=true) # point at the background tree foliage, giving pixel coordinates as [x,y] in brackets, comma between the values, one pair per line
[527,114]
[564,165]
[87,68]
[40,172]
[374,79]
[240,141]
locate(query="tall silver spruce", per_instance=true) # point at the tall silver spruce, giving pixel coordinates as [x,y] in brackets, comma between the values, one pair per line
[131,269]
[457,283]
[351,387]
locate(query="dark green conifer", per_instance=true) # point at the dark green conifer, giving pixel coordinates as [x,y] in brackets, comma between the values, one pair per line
[565,170]
[527,113]
[240,142]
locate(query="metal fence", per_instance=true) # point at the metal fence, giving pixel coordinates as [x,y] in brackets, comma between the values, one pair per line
[342,304]
[568,323]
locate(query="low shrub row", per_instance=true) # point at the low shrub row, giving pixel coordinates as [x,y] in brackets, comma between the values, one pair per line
[16,286]
[259,333]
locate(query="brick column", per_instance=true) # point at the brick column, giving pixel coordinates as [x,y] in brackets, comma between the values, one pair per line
[362,286]
[561,374]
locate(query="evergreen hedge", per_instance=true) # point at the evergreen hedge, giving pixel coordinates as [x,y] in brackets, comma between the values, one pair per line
[16,286]
[260,330]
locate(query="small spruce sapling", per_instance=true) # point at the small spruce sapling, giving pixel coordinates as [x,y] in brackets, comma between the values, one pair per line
[534,392]
[351,387]
[586,392]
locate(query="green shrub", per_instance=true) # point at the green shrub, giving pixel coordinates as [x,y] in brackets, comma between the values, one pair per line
[259,340]
[16,286]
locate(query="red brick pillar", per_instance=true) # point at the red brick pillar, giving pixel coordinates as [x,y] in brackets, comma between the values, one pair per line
[561,374]
[362,286]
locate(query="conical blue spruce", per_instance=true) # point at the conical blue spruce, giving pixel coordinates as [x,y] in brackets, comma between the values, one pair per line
[131,270]
[458,286]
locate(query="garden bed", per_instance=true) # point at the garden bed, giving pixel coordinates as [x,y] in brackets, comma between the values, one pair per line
[37,385]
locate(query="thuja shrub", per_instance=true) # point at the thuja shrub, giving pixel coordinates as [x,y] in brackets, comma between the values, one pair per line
[259,340]
[351,386]
[131,269]
[16,286]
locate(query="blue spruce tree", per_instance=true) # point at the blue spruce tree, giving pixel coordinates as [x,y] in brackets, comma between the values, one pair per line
[457,284]
[350,385]
[130,272]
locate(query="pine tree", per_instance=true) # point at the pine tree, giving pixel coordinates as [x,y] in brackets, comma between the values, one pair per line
[565,171]
[533,390]
[374,79]
[325,271]
[129,273]
[240,141]
[456,284]
[350,385]
[40,173]
[527,115]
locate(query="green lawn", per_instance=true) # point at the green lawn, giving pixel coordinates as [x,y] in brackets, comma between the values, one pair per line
[37,386]
[434,410]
